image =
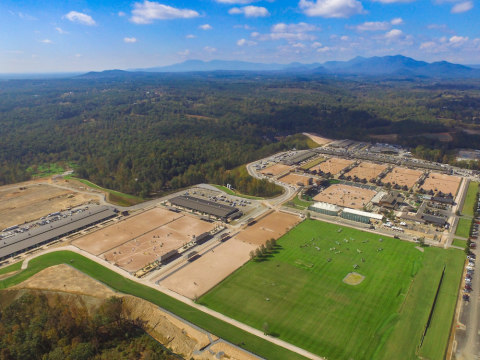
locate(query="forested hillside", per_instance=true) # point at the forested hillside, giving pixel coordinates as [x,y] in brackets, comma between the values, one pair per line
[148,133]
[33,327]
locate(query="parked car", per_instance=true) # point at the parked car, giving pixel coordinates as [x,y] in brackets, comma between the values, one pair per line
[469,268]
[466,297]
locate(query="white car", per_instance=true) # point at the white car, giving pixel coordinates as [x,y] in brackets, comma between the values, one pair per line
[469,268]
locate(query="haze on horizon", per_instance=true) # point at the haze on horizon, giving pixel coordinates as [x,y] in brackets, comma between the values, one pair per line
[67,36]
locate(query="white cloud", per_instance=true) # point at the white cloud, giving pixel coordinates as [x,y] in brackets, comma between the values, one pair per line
[316,45]
[462,7]
[80,18]
[428,45]
[245,42]
[205,27]
[344,38]
[190,36]
[290,32]
[185,52]
[299,45]
[236,2]
[78,55]
[396,21]
[456,41]
[209,49]
[60,30]
[393,34]
[323,49]
[129,40]
[148,11]
[373,26]
[121,14]
[46,41]
[246,27]
[393,1]
[250,11]
[331,8]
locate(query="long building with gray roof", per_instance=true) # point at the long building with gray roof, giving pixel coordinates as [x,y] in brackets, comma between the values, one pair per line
[221,211]
[42,235]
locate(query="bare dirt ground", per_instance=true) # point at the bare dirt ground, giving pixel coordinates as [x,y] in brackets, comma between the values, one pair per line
[333,165]
[402,176]
[65,278]
[110,237]
[353,278]
[346,196]
[172,332]
[366,170]
[294,179]
[440,182]
[275,169]
[207,271]
[137,253]
[273,225]
[320,140]
[25,202]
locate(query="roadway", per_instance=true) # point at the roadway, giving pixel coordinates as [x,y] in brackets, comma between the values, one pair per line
[181,298]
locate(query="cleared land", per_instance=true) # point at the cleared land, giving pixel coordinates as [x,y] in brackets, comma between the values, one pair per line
[119,283]
[320,140]
[402,176]
[26,202]
[273,225]
[346,196]
[204,273]
[276,169]
[110,237]
[470,204]
[366,170]
[333,165]
[143,250]
[295,179]
[447,184]
[300,294]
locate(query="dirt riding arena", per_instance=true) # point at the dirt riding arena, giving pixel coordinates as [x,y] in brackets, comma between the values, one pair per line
[402,176]
[139,252]
[110,237]
[273,225]
[447,184]
[332,165]
[366,170]
[275,169]
[295,179]
[209,269]
[30,201]
[346,196]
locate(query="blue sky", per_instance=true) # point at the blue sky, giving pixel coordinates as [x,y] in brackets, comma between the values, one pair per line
[80,35]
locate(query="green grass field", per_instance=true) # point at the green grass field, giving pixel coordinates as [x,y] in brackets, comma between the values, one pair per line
[43,170]
[121,284]
[312,163]
[463,227]
[471,199]
[301,296]
[459,242]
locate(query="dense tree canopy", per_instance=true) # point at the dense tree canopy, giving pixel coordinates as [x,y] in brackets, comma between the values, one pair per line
[149,133]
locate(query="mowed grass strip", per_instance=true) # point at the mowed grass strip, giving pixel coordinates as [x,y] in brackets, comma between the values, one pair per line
[126,286]
[463,227]
[469,205]
[311,307]
[459,242]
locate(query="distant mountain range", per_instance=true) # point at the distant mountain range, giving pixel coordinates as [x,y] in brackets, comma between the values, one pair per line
[385,66]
